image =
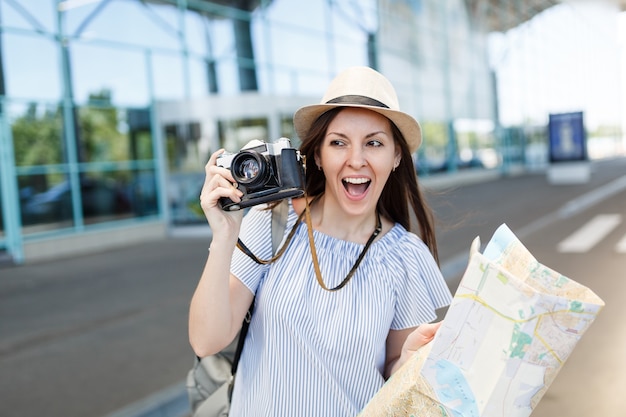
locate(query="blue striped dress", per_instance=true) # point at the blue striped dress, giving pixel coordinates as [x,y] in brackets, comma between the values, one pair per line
[310,352]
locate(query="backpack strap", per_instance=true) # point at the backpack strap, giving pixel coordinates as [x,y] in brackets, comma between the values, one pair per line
[242,338]
[279,224]
[280,213]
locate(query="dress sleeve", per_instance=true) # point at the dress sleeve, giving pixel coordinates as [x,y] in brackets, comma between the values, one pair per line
[421,288]
[256,234]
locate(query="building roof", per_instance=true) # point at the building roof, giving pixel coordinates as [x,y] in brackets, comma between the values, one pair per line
[493,15]
[502,15]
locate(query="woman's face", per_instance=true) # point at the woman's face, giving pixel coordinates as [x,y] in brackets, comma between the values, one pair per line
[357,156]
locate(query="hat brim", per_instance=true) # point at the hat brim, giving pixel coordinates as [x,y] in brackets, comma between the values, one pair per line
[409,127]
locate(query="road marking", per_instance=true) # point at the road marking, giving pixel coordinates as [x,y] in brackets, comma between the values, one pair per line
[594,197]
[455,266]
[590,234]
[621,245]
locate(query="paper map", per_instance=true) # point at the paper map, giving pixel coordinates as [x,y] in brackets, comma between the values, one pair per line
[512,324]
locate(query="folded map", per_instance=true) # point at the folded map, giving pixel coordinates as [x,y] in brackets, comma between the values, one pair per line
[511,326]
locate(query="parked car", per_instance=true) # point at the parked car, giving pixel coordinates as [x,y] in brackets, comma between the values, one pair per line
[99,198]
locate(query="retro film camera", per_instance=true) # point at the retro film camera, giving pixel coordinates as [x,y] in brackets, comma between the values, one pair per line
[264,172]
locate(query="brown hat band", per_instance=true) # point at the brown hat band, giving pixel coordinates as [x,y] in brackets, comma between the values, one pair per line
[356,99]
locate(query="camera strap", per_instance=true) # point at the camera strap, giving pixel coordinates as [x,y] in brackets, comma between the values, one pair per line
[279,223]
[318,272]
[276,226]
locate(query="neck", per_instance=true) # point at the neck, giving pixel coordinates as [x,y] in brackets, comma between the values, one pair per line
[331,220]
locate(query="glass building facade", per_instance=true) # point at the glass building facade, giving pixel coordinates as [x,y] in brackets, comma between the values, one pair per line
[110,108]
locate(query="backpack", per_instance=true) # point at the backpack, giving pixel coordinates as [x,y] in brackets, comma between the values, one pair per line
[211,379]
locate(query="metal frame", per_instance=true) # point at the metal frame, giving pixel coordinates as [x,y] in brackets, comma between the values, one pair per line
[502,15]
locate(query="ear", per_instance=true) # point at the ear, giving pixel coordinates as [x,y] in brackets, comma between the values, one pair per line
[398,157]
[318,161]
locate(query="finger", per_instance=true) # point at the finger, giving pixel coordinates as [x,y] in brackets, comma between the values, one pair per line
[214,156]
[212,200]
[421,336]
[428,330]
[219,171]
[218,187]
[211,167]
[212,171]
[217,181]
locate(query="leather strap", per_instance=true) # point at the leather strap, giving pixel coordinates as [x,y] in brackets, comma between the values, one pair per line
[318,273]
[279,222]
[316,265]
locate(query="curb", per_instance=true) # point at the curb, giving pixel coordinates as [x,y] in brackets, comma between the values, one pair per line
[169,402]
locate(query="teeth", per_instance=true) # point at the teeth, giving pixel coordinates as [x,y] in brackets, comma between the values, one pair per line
[356,180]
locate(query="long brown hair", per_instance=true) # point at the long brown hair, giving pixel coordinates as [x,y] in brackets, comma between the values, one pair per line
[401,190]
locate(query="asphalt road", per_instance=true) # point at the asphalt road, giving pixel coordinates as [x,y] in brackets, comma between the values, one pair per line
[90,335]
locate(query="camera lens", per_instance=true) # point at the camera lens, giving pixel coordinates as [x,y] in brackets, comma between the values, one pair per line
[249,168]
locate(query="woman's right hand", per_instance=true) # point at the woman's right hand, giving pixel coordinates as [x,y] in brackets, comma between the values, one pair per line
[220,300]
[219,183]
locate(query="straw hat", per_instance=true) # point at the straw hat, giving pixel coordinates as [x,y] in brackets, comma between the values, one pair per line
[366,88]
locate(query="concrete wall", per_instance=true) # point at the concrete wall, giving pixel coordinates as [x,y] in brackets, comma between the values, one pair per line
[93,241]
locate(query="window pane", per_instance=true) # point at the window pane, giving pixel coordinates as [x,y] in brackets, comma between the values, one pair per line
[168,76]
[198,78]
[45,202]
[100,136]
[121,72]
[184,152]
[137,123]
[36,130]
[300,50]
[234,134]
[46,199]
[303,15]
[287,130]
[197,32]
[142,193]
[228,76]
[184,198]
[31,66]
[349,51]
[129,22]
[41,15]
[105,196]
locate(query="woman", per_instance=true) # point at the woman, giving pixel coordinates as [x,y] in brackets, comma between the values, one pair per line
[311,351]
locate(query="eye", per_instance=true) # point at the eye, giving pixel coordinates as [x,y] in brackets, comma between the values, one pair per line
[337,143]
[375,143]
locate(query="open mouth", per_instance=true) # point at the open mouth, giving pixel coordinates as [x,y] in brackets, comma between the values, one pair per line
[356,186]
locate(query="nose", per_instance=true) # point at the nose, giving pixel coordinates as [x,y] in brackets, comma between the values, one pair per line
[357,159]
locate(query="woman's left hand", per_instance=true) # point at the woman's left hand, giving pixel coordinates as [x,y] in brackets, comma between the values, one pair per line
[419,337]
[411,343]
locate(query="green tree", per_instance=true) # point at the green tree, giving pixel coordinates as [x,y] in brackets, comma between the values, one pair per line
[37,137]
[100,136]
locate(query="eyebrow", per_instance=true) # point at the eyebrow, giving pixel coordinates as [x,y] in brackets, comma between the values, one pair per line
[369,135]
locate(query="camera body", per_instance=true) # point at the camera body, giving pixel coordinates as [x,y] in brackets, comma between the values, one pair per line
[264,172]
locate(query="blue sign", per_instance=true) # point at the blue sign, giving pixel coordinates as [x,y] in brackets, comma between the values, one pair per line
[568,139]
